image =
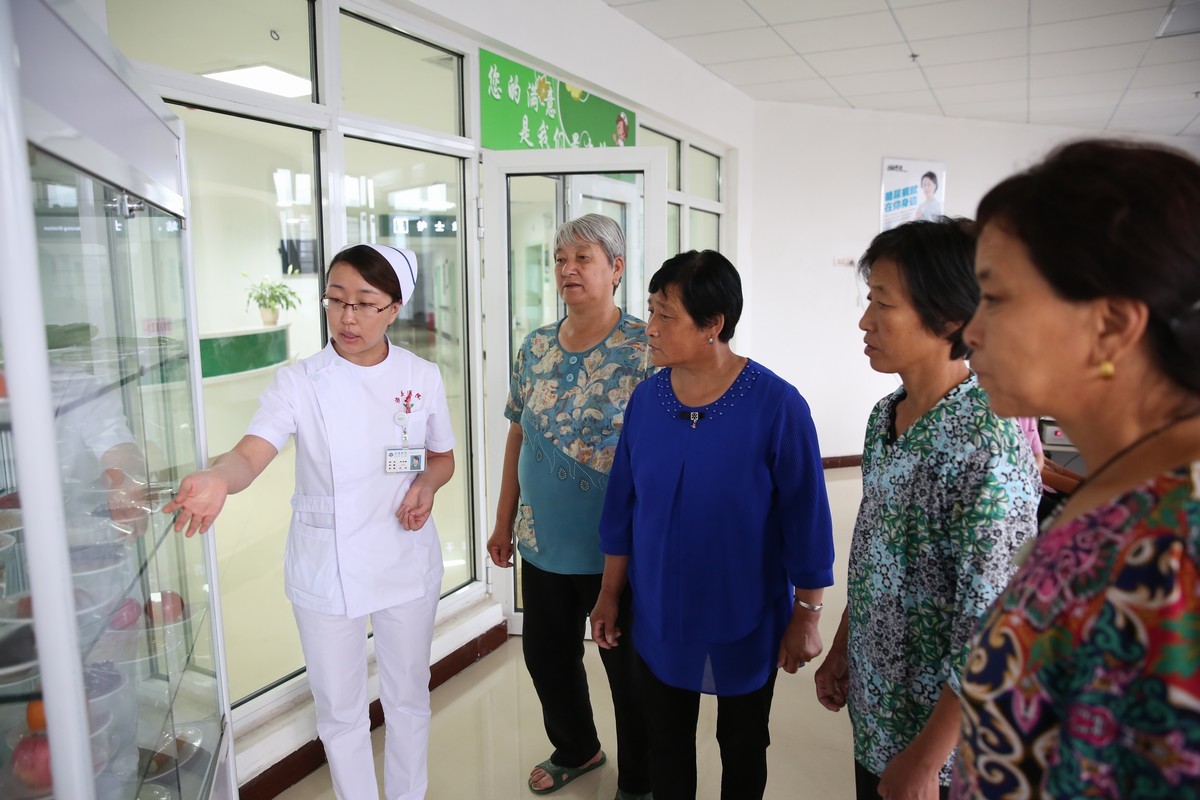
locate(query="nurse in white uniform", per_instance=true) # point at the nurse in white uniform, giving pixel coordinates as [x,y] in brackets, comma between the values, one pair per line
[373,446]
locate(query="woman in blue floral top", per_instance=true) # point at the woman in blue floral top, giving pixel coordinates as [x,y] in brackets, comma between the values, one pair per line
[1084,677]
[950,492]
[566,405]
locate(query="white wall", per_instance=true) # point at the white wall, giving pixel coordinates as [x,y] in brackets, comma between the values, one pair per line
[816,197]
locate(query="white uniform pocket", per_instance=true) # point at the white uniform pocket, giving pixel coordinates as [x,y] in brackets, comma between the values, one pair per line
[314,510]
[310,562]
[310,565]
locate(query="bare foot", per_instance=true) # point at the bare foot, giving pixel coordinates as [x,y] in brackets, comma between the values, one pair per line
[540,779]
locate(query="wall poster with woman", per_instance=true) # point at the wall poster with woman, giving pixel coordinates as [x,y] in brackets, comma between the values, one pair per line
[911,189]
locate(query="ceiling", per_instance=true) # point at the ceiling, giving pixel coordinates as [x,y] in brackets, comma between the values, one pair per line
[1095,64]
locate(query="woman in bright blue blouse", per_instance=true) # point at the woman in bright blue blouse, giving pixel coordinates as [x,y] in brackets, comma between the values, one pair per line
[716,515]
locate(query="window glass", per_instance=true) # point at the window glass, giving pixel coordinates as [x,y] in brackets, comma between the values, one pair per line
[704,230]
[264,45]
[672,229]
[704,174]
[253,217]
[387,74]
[413,199]
[651,138]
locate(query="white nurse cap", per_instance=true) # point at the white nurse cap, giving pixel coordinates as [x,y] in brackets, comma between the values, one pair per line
[404,262]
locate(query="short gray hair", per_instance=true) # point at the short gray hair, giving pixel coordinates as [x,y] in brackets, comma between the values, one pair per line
[592,229]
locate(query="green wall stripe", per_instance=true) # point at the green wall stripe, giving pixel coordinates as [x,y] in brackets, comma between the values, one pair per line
[242,352]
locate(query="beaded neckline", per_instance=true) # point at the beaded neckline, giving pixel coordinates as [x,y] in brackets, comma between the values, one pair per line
[714,410]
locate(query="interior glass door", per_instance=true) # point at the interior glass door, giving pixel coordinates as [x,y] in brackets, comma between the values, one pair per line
[527,195]
[538,204]
[621,197]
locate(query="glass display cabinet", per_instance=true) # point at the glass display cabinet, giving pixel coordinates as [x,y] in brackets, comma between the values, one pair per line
[112,682]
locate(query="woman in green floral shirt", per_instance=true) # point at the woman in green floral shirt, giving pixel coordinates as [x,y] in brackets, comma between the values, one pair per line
[950,492]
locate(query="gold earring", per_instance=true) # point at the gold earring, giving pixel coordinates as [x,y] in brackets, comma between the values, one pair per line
[1107,370]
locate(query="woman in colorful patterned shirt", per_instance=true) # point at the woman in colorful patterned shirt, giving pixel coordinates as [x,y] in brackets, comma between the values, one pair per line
[566,405]
[950,492]
[1084,677]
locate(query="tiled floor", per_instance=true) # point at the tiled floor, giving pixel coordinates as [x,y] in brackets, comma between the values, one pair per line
[487,734]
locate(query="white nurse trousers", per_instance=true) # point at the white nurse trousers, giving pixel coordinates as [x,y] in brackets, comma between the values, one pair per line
[335,652]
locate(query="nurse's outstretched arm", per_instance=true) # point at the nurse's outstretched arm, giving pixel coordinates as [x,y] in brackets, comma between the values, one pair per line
[202,494]
[417,504]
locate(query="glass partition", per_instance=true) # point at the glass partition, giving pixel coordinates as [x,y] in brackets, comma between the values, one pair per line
[413,199]
[111,272]
[255,216]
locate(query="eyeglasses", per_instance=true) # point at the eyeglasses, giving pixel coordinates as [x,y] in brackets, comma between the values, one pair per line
[338,306]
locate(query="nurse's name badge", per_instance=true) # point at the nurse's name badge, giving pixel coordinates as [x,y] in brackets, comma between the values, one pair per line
[404,459]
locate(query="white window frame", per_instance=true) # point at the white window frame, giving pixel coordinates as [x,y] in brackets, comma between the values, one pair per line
[683,197]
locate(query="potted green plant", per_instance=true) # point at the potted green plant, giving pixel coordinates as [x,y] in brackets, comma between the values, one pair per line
[270,295]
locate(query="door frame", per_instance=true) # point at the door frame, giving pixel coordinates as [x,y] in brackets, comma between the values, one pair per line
[498,165]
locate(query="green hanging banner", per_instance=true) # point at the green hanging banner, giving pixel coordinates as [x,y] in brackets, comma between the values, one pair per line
[523,109]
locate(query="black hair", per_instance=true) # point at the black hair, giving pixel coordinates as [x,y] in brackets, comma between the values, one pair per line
[374,268]
[932,176]
[936,259]
[1106,218]
[709,286]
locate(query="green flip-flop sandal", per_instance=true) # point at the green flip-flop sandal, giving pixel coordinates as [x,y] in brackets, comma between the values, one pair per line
[561,776]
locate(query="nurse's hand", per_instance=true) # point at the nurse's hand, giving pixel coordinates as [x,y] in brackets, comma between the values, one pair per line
[416,506]
[500,546]
[604,622]
[200,498]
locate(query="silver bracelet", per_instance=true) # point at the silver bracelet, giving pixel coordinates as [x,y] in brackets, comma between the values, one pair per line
[813,608]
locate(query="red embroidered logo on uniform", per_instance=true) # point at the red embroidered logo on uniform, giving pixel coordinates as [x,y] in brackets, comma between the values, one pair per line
[409,400]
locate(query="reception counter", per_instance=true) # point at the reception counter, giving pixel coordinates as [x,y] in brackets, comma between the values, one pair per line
[231,353]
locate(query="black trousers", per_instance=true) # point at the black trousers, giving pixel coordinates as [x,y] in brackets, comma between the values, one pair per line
[866,784]
[555,611]
[742,733]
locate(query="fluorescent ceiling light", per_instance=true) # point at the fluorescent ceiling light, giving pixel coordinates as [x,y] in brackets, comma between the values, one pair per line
[1183,17]
[266,79]
[421,198]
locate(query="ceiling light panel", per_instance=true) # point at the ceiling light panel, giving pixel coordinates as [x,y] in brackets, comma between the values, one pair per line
[266,79]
